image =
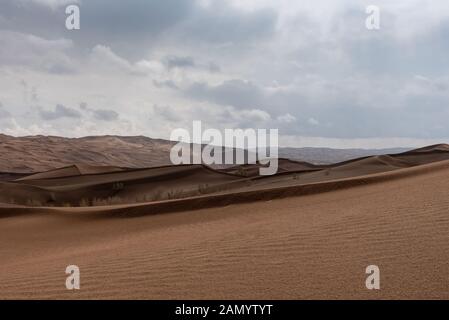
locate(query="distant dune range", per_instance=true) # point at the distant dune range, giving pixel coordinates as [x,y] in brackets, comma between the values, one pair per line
[42,153]
[83,185]
[307,232]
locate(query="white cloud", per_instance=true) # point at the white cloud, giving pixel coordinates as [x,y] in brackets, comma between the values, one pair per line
[53,4]
[102,57]
[313,121]
[310,68]
[287,118]
[27,50]
[254,115]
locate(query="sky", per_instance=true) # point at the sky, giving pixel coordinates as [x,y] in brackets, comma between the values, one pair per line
[308,68]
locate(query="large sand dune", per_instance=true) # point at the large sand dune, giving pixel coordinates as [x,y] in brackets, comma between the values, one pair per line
[300,234]
[85,185]
[40,153]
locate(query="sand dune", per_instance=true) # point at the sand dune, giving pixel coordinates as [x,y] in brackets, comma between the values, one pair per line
[305,233]
[67,186]
[84,185]
[42,153]
[71,171]
[284,165]
[314,246]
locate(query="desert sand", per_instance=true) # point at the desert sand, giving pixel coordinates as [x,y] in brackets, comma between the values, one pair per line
[307,233]
[40,153]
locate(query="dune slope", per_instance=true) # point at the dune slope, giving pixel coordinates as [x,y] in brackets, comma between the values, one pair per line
[313,246]
[85,185]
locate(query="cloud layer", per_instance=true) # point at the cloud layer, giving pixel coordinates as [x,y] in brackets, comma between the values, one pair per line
[146,67]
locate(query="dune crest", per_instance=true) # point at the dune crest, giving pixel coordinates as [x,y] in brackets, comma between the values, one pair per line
[283,237]
[173,188]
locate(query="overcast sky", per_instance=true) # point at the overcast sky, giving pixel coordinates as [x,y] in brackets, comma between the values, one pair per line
[309,68]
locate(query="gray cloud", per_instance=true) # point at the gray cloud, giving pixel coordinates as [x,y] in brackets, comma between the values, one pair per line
[3,112]
[105,115]
[236,92]
[222,23]
[166,113]
[213,67]
[165,84]
[133,28]
[334,110]
[19,49]
[60,111]
[307,70]
[179,62]
[100,114]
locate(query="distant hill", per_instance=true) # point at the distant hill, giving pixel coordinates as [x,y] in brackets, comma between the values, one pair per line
[328,155]
[41,153]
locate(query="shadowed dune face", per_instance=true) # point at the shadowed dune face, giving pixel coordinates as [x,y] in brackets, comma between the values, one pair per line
[10,176]
[284,165]
[314,246]
[71,171]
[308,232]
[82,185]
[70,187]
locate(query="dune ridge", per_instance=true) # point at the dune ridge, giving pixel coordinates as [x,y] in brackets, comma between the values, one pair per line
[299,247]
[228,198]
[83,185]
[306,232]
[31,154]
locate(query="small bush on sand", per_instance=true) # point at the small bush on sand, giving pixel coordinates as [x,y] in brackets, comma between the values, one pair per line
[203,188]
[157,195]
[33,203]
[118,186]
[84,203]
[52,197]
[107,201]
[242,172]
[174,194]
